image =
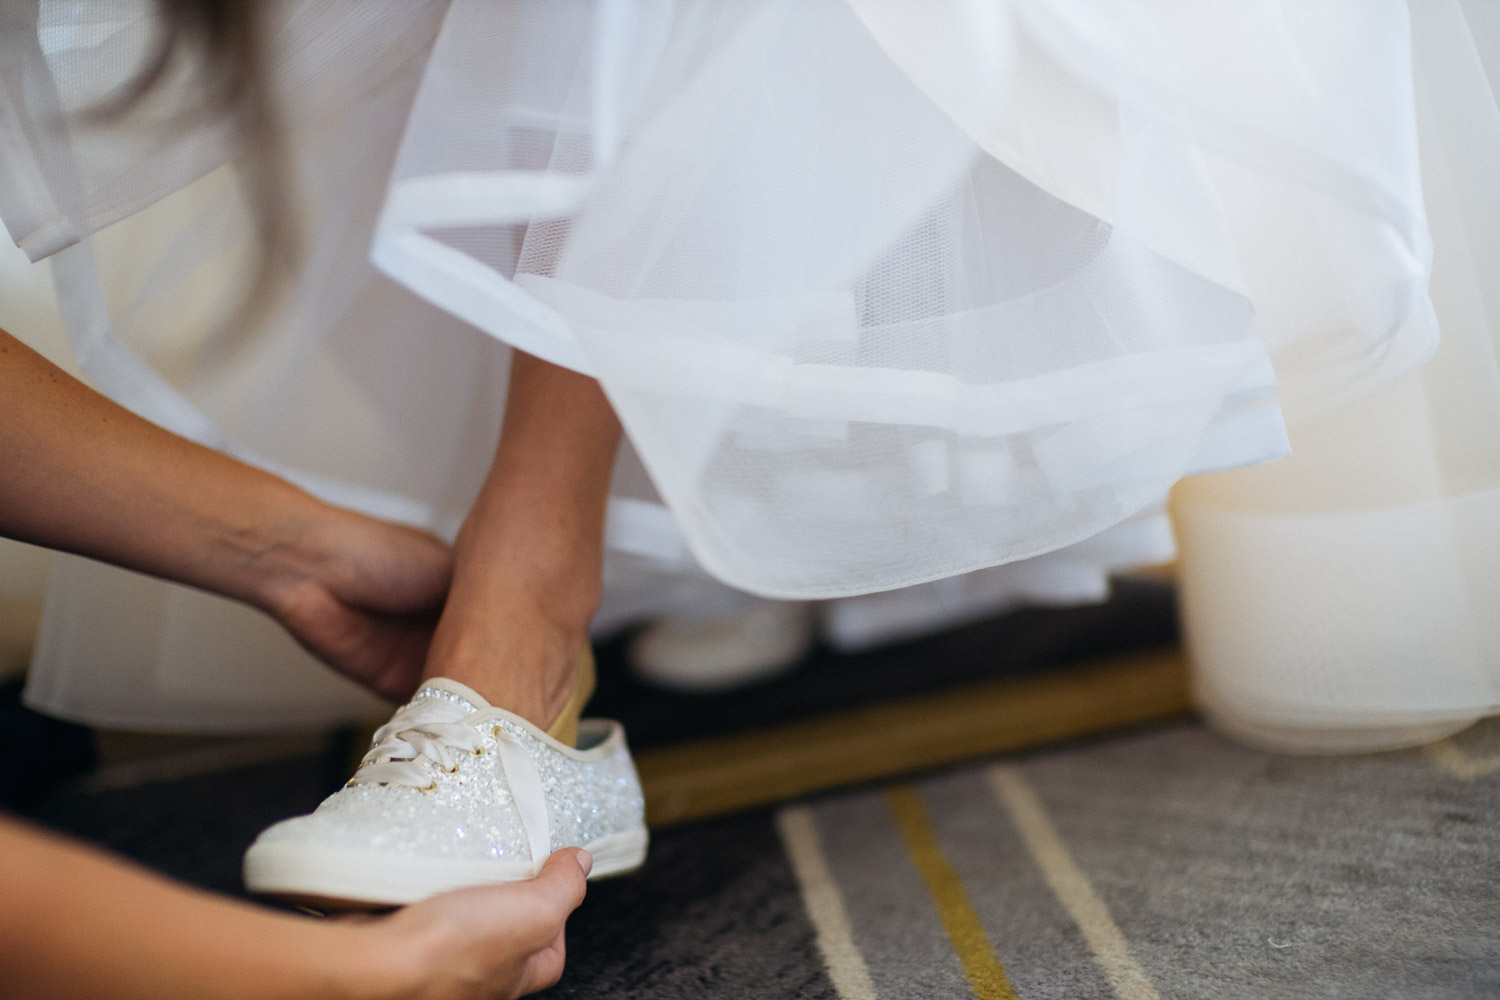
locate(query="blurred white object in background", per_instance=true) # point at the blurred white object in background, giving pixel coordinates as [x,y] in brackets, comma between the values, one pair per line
[1348,598]
[708,638]
[745,647]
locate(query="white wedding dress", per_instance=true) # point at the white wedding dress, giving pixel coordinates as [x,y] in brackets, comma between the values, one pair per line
[933,295]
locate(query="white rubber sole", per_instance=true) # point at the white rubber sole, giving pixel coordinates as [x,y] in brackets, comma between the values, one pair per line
[334,878]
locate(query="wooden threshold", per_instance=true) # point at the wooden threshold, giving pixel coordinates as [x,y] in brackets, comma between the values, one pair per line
[725,774]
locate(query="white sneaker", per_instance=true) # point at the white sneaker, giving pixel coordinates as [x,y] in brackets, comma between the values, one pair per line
[748,646]
[455,793]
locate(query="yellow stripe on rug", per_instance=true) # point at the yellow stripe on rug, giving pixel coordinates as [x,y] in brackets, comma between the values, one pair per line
[984,971]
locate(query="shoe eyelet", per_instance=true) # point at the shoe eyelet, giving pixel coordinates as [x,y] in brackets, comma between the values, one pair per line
[451,770]
[477,752]
[495,732]
[428,789]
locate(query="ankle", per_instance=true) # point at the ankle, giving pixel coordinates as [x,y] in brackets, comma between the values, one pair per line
[557,606]
[518,656]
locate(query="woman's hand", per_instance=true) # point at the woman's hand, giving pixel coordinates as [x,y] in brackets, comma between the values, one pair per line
[363,596]
[486,943]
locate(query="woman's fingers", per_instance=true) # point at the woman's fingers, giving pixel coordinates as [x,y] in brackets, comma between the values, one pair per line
[383,652]
[545,966]
[550,898]
[498,941]
[562,879]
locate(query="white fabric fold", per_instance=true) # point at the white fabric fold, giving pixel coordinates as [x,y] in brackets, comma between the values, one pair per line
[882,292]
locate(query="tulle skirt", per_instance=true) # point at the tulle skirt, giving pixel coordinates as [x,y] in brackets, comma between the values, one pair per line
[887,295]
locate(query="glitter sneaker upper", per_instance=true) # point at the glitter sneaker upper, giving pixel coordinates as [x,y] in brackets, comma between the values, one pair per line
[470,814]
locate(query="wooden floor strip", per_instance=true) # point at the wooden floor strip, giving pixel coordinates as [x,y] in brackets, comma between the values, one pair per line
[1460,764]
[713,776]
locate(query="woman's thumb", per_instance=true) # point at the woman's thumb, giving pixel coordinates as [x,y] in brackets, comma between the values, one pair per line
[562,877]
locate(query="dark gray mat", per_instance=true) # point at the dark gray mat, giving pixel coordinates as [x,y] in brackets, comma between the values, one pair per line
[714,913]
[1227,873]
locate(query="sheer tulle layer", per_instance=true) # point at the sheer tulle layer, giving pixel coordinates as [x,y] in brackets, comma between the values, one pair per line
[881,298]
[910,298]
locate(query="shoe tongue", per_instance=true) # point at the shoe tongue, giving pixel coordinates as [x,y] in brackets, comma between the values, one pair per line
[450,690]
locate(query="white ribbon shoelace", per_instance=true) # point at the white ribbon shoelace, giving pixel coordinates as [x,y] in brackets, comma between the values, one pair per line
[436,729]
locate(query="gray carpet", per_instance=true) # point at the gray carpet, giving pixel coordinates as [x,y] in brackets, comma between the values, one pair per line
[1165,863]
[1226,873]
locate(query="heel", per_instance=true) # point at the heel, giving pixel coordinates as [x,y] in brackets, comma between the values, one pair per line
[564,728]
[618,854]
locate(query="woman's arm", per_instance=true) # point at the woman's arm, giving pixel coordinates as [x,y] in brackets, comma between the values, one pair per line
[75,922]
[79,473]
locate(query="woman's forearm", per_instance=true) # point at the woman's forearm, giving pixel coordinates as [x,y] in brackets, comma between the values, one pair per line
[75,922]
[85,475]
[79,473]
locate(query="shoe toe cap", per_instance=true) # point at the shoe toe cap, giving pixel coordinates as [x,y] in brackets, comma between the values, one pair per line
[407,822]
